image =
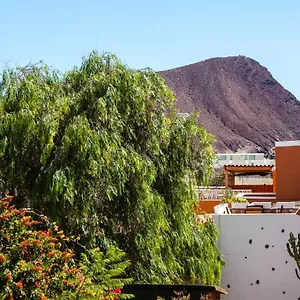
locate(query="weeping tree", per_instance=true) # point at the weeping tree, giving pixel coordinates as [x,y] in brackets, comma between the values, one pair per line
[100,150]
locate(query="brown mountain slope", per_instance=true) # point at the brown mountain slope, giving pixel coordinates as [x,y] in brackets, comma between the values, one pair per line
[240,102]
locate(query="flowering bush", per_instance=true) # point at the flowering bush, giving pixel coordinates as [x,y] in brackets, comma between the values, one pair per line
[37,263]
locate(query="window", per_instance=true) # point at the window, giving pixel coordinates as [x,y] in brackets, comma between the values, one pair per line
[251,157]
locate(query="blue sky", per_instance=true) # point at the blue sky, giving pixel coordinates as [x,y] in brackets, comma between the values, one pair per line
[160,34]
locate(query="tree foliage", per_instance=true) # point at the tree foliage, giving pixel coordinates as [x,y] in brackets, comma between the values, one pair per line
[100,150]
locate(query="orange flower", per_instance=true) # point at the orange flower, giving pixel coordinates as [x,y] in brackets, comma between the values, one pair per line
[26,221]
[8,276]
[34,223]
[43,297]
[6,216]
[2,258]
[53,239]
[10,298]
[67,255]
[71,285]
[19,284]
[74,270]
[51,253]
[22,214]
[23,244]
[37,268]
[37,283]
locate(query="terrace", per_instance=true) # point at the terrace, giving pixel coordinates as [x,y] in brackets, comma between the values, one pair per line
[271,185]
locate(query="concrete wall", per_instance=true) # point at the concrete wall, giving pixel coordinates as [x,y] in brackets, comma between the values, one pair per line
[287,171]
[257,263]
[206,206]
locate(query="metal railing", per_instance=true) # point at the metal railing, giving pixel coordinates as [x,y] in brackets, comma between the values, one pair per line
[215,192]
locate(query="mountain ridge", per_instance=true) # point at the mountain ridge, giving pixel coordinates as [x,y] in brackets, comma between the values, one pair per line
[240,102]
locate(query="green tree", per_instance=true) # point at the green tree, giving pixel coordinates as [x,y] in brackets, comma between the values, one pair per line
[100,150]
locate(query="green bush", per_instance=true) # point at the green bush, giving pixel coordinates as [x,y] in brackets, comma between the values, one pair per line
[230,197]
[37,262]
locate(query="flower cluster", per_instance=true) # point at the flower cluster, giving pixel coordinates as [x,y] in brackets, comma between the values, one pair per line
[35,261]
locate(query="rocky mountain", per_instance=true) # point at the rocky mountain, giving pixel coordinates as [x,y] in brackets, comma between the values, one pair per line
[239,101]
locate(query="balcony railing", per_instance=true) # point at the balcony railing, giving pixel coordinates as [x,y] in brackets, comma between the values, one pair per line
[216,193]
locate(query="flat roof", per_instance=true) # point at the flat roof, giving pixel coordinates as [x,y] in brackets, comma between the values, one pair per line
[287,144]
[249,169]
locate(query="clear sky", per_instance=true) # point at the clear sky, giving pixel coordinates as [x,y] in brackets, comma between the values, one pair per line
[160,34]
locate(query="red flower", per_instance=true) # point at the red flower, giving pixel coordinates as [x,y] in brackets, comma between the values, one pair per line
[2,258]
[115,291]
[12,208]
[5,204]
[44,233]
[19,284]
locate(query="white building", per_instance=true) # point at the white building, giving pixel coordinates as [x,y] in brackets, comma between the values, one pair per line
[253,159]
[258,265]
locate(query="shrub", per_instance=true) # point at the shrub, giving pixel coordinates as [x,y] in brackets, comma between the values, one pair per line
[230,196]
[293,248]
[37,261]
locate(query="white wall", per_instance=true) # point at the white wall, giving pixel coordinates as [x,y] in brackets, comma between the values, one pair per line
[240,180]
[253,271]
